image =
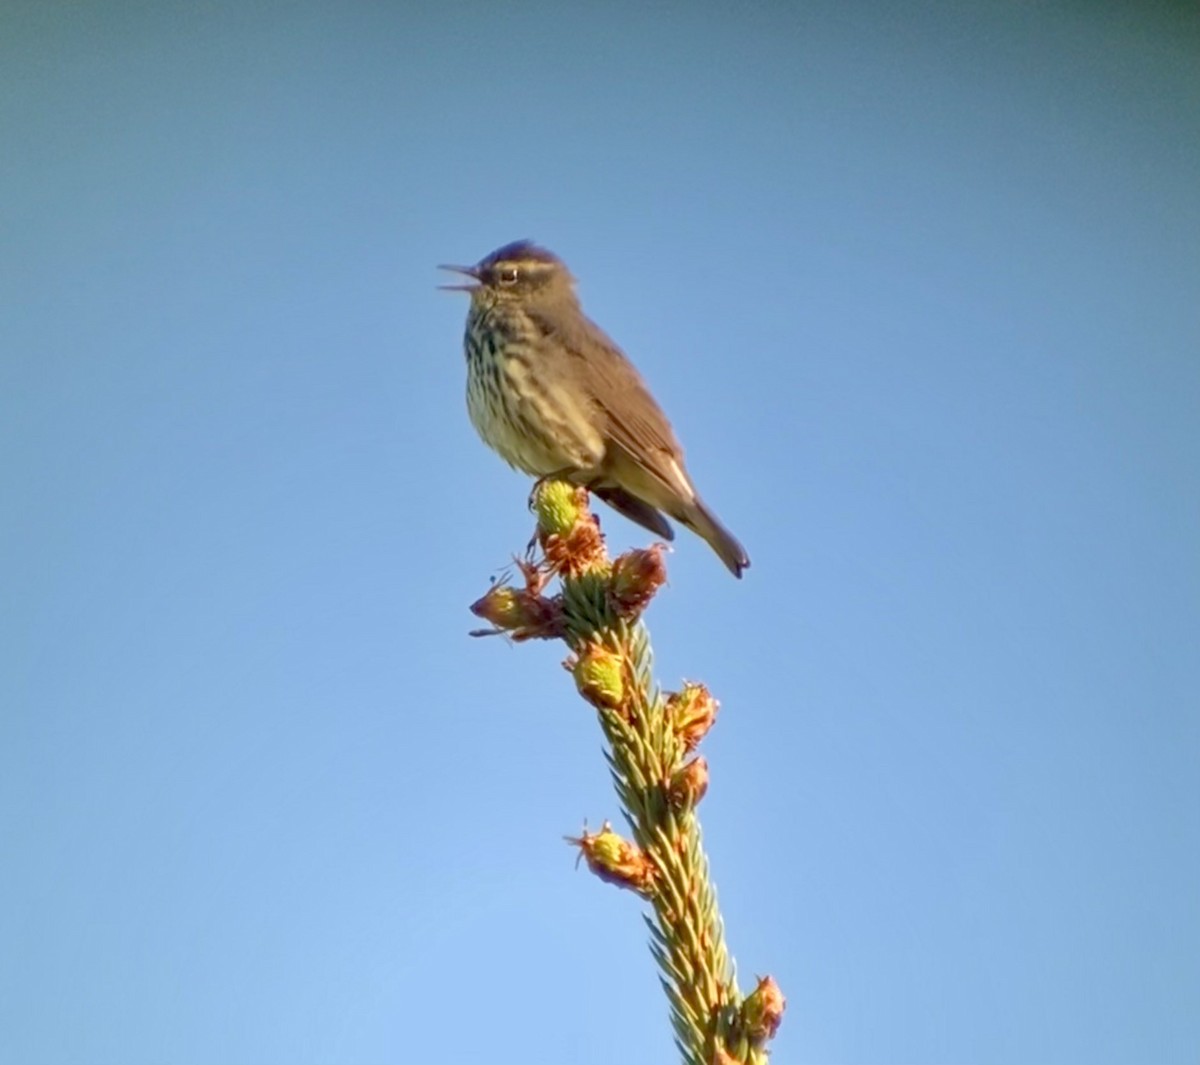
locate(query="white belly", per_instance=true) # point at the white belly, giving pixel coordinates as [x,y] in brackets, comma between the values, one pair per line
[536,428]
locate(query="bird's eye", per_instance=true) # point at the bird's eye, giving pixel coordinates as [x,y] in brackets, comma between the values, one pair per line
[508,275]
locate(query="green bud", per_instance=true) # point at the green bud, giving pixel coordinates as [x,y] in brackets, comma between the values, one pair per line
[559,506]
[600,677]
[615,860]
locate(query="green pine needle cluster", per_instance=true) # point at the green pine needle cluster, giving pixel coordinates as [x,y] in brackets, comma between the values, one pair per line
[651,755]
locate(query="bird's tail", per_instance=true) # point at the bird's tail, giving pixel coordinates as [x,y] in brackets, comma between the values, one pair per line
[701,521]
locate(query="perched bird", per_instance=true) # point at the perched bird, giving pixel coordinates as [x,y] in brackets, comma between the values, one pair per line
[554,396]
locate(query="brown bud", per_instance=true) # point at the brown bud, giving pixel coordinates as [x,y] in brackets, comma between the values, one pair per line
[762,1011]
[567,530]
[688,784]
[636,576]
[521,615]
[536,577]
[691,712]
[616,860]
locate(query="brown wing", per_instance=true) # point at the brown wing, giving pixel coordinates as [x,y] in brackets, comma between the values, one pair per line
[635,422]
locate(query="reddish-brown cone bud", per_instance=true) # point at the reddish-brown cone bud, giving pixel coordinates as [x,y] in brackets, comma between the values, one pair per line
[636,576]
[521,615]
[762,1011]
[691,712]
[688,784]
[567,530]
[615,860]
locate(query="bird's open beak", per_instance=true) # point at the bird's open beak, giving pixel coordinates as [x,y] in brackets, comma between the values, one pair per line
[470,271]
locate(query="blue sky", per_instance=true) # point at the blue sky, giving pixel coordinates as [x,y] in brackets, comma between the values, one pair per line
[917,285]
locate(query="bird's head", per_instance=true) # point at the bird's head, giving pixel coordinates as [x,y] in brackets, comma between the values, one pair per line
[518,272]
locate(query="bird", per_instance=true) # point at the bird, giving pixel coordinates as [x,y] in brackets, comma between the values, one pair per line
[555,397]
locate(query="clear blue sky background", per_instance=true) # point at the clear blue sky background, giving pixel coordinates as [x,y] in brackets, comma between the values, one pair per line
[919,285]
